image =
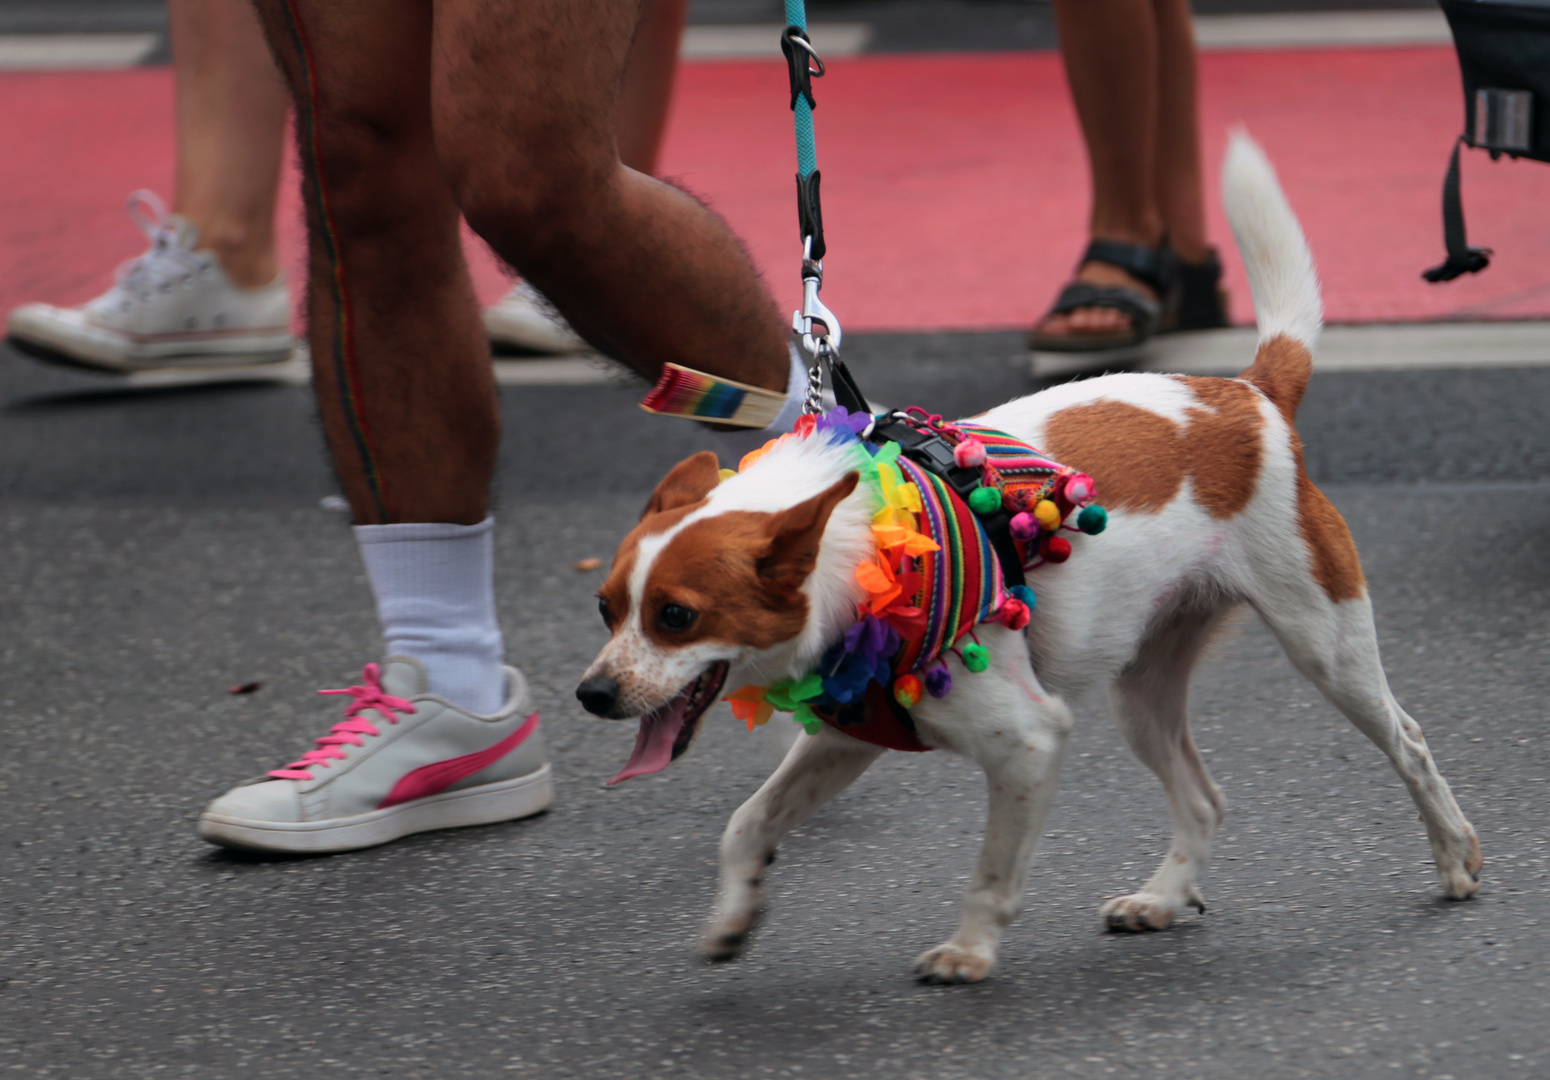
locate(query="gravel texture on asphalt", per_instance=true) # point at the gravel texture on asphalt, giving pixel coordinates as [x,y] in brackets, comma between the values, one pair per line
[162,547]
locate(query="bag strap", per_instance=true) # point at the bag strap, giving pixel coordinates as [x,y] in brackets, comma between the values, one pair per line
[1462,259]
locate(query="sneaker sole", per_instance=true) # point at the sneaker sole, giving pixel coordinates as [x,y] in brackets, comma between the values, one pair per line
[113,355]
[482,805]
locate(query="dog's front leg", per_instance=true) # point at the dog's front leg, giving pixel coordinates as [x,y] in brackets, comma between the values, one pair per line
[817,768]
[1018,736]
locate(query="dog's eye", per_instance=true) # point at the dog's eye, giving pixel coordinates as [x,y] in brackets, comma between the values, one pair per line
[676,617]
[602,609]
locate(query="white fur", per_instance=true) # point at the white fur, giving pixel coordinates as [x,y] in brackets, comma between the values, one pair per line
[1274,250]
[1133,608]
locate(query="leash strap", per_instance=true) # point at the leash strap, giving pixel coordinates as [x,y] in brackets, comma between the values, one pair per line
[1462,259]
[814,324]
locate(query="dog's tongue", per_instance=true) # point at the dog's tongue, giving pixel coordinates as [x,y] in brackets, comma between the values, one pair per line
[654,742]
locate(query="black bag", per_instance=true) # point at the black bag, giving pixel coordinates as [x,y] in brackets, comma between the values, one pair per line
[1504,57]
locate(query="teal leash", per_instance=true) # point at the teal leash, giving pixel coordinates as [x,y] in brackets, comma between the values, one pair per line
[815,325]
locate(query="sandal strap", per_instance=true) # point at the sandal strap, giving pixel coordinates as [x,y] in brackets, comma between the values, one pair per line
[1149,265]
[1143,310]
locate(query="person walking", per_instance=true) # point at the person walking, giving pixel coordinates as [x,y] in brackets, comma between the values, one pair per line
[410,114]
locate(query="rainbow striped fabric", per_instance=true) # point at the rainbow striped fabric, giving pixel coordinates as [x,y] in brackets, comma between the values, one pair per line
[960,584]
[694,395]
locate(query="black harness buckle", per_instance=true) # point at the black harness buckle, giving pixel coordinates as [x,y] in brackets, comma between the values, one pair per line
[935,454]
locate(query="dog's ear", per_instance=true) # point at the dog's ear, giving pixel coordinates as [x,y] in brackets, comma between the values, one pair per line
[690,481]
[795,534]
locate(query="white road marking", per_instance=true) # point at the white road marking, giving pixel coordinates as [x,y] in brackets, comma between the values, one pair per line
[54,52]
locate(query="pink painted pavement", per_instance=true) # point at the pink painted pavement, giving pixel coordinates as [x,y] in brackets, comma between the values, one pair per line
[954,184]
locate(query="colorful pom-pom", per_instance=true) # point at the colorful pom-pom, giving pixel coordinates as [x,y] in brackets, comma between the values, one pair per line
[975,658]
[1025,527]
[1055,549]
[1080,488]
[969,454]
[1013,614]
[985,500]
[1092,520]
[1025,594]
[1048,515]
[907,690]
[939,681]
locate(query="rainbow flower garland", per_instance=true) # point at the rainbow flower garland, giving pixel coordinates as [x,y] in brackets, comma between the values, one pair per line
[892,623]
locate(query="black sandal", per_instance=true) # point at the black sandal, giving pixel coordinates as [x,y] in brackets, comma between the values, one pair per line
[1150,266]
[1198,301]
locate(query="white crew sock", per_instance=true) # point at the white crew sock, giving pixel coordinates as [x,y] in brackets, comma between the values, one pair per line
[435,589]
[732,445]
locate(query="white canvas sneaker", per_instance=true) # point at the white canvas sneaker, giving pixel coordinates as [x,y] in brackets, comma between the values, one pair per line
[172,307]
[525,319]
[401,761]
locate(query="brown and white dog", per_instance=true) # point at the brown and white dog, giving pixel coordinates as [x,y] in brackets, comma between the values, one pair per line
[1210,509]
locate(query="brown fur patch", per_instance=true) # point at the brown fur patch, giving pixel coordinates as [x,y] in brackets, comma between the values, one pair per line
[1225,443]
[1140,459]
[712,567]
[686,483]
[1131,452]
[1336,566]
[1282,368]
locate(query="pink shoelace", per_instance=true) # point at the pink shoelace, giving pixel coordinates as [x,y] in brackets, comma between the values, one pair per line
[352,729]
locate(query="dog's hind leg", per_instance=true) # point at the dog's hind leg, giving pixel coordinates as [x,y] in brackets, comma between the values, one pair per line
[1150,702]
[816,769]
[1017,733]
[1336,646]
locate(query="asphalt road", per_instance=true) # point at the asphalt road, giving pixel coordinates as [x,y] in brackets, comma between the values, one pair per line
[161,547]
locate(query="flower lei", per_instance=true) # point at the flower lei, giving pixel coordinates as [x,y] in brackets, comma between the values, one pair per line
[887,617]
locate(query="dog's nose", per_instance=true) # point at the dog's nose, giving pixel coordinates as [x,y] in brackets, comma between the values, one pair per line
[598,694]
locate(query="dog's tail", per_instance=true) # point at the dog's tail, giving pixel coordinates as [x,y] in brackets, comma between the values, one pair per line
[1287,305]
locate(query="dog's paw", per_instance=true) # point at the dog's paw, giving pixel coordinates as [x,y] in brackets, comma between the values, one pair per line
[1461,880]
[727,937]
[949,963]
[1140,912]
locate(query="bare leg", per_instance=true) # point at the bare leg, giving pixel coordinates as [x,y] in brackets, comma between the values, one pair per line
[1111,58]
[1150,700]
[640,269]
[1131,67]
[231,108]
[1017,733]
[401,368]
[817,769]
[1180,197]
[648,83]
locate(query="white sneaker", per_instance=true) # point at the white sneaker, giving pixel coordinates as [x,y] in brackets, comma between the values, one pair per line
[400,762]
[525,319]
[173,306]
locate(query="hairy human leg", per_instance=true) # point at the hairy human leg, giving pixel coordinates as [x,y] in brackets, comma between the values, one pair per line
[231,109]
[639,268]
[816,769]
[401,367]
[1150,700]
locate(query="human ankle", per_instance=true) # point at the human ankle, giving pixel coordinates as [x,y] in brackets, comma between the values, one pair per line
[435,597]
[246,254]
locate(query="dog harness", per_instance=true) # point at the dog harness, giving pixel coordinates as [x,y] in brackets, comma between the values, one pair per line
[966,511]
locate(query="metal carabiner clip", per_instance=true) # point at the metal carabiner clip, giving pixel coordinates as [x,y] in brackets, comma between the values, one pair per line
[815,324]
